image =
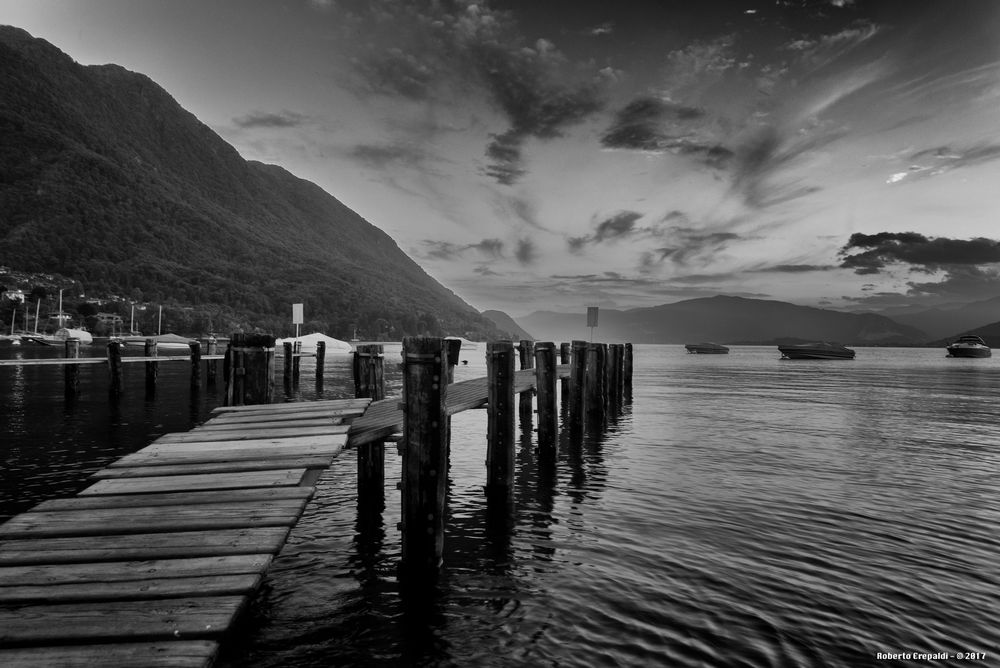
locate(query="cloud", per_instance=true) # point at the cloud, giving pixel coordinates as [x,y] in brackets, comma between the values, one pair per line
[526,252]
[877,251]
[619,226]
[939,160]
[263,119]
[689,246]
[382,155]
[446,250]
[793,268]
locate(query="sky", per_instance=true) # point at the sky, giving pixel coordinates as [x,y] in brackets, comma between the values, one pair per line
[556,154]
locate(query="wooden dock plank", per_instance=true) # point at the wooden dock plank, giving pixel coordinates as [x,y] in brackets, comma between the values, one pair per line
[286,416]
[292,406]
[175,498]
[149,589]
[170,456]
[236,435]
[191,468]
[152,519]
[188,618]
[322,421]
[167,545]
[151,484]
[133,570]
[221,446]
[176,654]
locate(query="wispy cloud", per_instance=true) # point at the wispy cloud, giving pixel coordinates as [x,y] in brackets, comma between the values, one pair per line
[265,119]
[936,161]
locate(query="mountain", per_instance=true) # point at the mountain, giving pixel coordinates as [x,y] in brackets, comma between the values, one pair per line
[507,325]
[725,320]
[953,319]
[104,178]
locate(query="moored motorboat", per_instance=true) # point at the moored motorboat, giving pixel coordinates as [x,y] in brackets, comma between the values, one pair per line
[820,350]
[969,345]
[706,348]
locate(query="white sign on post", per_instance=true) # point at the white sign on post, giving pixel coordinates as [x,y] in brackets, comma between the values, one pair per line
[297,317]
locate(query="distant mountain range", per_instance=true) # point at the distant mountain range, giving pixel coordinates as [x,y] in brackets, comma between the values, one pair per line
[104,178]
[507,324]
[724,320]
[950,319]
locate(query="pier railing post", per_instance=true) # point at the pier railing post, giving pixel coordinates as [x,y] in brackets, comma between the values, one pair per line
[577,379]
[425,463]
[195,365]
[115,369]
[251,369]
[369,382]
[500,418]
[545,383]
[152,368]
[527,359]
[627,373]
[71,372]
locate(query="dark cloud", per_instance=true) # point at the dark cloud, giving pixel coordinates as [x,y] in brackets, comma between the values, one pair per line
[689,245]
[794,268]
[383,155]
[618,226]
[525,252]
[490,247]
[262,119]
[876,251]
[446,250]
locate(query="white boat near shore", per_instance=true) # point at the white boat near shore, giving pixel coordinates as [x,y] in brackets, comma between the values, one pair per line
[308,343]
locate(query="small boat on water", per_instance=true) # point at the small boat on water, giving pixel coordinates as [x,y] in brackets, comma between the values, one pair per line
[308,343]
[821,350]
[706,348]
[167,341]
[969,345]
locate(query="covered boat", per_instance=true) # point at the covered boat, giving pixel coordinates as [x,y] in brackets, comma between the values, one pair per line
[706,348]
[167,341]
[820,350]
[969,346]
[309,341]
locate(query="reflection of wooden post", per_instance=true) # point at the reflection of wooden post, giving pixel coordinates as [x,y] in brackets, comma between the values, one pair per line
[195,365]
[500,417]
[627,373]
[545,383]
[71,372]
[251,369]
[115,368]
[152,368]
[527,358]
[577,380]
[424,457]
[211,367]
[320,363]
[369,382]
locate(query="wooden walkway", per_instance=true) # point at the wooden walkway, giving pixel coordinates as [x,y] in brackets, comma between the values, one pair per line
[151,564]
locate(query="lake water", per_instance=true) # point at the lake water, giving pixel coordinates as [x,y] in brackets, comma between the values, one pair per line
[743,511]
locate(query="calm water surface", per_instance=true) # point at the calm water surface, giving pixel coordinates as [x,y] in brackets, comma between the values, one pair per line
[743,511]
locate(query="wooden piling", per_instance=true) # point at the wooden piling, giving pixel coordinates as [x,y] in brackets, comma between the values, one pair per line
[545,382]
[424,457]
[152,368]
[211,368]
[71,372]
[251,369]
[369,382]
[526,355]
[627,373]
[195,365]
[564,357]
[286,358]
[296,361]
[500,418]
[594,386]
[577,383]
[320,363]
[115,368]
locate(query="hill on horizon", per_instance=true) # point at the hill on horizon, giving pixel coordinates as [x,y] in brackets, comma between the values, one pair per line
[104,178]
[724,319]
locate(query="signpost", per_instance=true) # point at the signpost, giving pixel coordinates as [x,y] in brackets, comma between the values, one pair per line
[592,320]
[297,318]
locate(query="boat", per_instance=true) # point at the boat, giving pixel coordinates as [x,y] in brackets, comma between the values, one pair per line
[706,348]
[308,343]
[820,350]
[969,345]
[66,333]
[168,341]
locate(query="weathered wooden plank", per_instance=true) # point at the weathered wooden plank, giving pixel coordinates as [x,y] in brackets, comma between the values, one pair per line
[149,589]
[188,618]
[191,468]
[176,654]
[168,483]
[236,435]
[292,406]
[153,519]
[303,423]
[286,416]
[168,457]
[134,570]
[53,362]
[243,444]
[175,498]
[167,545]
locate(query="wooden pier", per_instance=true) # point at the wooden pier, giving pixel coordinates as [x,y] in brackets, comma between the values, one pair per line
[152,564]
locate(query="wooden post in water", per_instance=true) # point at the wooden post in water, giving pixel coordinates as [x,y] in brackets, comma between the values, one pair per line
[527,359]
[500,418]
[454,351]
[614,377]
[195,365]
[71,372]
[545,382]
[152,368]
[593,385]
[296,361]
[424,457]
[211,368]
[627,373]
[320,363]
[251,369]
[577,384]
[369,382]
[564,351]
[115,368]
[286,358]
